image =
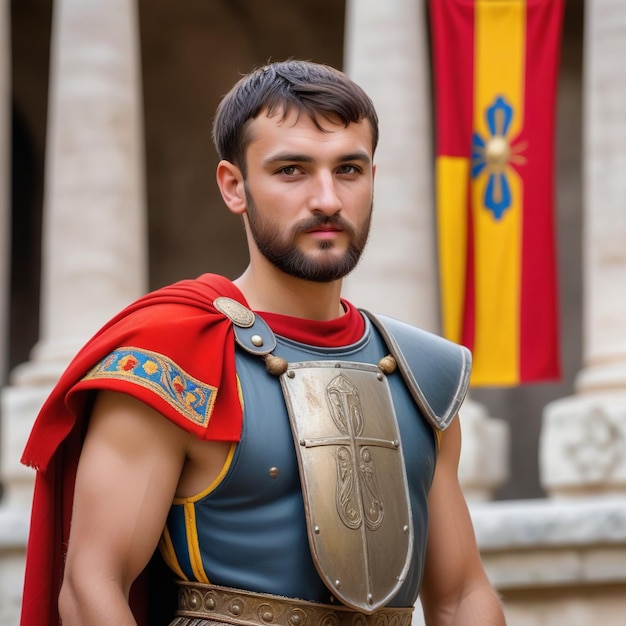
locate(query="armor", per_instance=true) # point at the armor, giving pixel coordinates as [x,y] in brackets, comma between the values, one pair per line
[211,605]
[358,475]
[353,480]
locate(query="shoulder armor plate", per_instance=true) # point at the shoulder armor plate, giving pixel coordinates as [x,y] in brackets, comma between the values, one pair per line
[436,371]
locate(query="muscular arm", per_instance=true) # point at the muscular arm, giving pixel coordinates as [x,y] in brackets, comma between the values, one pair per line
[127,476]
[455,590]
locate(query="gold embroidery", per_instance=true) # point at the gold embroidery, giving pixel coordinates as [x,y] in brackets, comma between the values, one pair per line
[189,396]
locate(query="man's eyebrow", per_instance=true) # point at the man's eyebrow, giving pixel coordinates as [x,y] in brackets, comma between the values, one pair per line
[364,157]
[292,157]
[281,157]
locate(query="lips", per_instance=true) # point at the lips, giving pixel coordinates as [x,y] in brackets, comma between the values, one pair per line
[323,224]
[324,229]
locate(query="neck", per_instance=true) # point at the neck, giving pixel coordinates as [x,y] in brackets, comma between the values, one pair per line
[287,295]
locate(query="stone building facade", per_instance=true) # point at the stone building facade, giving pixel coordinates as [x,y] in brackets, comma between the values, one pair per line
[107,190]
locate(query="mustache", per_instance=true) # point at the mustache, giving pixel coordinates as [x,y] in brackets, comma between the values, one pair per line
[316,221]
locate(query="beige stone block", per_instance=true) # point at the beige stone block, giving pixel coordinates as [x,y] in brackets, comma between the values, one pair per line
[567,607]
[11,577]
[583,445]
[20,406]
[484,461]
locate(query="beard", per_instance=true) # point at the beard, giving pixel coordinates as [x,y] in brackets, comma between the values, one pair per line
[280,248]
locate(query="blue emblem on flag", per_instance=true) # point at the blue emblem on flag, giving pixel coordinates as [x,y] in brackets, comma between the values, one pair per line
[493,154]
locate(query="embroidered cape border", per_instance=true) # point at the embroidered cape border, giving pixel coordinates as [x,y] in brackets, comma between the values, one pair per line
[189,396]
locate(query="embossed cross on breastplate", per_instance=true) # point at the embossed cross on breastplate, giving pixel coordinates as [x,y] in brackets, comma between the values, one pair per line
[358,493]
[353,479]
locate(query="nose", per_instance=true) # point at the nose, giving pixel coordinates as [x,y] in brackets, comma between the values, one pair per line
[325,198]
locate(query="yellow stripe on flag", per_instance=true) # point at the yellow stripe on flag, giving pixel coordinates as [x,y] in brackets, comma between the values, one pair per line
[451,189]
[497,281]
[499,71]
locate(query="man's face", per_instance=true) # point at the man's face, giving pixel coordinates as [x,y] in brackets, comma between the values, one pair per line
[309,194]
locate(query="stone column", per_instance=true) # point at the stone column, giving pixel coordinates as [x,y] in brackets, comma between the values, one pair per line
[583,441]
[94,256]
[94,235]
[386,53]
[94,251]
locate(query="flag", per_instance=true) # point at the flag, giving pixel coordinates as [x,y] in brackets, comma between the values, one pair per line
[495,73]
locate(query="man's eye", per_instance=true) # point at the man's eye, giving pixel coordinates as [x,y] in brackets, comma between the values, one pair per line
[349,169]
[289,170]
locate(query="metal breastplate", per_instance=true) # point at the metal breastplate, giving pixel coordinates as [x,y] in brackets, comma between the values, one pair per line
[249,531]
[352,471]
[353,478]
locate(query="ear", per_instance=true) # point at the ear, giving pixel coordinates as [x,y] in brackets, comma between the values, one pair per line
[231,185]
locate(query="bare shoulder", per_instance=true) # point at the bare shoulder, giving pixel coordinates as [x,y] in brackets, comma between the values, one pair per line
[134,430]
[125,422]
[129,447]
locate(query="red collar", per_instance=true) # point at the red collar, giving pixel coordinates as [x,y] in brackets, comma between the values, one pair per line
[342,331]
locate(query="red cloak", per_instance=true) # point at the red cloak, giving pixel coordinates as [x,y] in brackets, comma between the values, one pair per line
[179,321]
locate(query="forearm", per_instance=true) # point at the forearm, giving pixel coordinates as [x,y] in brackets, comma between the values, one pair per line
[480,607]
[94,603]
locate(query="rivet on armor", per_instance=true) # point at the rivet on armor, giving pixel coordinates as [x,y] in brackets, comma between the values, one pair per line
[379,376]
[266,614]
[236,607]
[370,598]
[387,364]
[316,529]
[274,472]
[396,443]
[296,617]
[210,603]
[405,529]
[302,442]
[256,340]
[338,584]
[337,365]
[275,365]
[291,374]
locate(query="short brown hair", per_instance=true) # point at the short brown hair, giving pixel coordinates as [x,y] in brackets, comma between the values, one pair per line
[315,89]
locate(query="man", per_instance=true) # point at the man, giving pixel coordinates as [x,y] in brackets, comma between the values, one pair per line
[294,465]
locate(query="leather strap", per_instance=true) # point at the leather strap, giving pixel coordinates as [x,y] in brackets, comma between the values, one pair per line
[200,604]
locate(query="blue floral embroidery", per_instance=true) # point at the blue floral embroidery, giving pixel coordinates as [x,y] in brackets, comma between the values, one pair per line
[190,397]
[493,156]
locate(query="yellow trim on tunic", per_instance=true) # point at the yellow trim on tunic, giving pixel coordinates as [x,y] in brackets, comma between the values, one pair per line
[166,547]
[214,484]
[193,544]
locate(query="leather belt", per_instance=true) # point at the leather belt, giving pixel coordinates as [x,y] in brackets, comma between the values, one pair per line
[201,604]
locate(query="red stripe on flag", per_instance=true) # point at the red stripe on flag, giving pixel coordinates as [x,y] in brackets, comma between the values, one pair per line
[453,78]
[539,340]
[454,75]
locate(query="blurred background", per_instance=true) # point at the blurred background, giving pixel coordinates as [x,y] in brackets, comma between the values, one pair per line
[83,235]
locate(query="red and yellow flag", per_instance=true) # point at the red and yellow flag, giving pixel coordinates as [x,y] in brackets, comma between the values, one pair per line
[495,73]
